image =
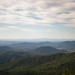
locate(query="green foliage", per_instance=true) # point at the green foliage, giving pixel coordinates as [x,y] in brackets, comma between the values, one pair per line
[9,56]
[57,64]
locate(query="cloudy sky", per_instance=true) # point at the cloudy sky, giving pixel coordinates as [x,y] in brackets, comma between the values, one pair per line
[32,19]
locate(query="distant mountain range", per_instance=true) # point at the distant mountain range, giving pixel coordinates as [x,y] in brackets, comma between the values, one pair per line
[66,45]
[30,45]
[43,50]
[5,48]
[46,50]
[27,46]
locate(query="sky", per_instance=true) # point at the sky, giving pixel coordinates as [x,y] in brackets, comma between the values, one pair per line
[33,19]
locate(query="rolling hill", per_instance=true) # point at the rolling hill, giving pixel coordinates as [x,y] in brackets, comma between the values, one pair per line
[27,46]
[68,45]
[9,56]
[46,50]
[57,64]
[5,48]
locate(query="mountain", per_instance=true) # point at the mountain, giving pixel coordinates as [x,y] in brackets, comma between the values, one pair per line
[56,64]
[9,48]
[5,43]
[46,50]
[68,45]
[5,48]
[27,46]
[8,42]
[9,56]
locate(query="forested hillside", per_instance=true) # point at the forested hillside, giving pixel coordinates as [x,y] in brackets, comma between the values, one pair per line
[57,64]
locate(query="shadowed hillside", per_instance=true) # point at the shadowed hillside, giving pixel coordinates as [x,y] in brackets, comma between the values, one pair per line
[57,64]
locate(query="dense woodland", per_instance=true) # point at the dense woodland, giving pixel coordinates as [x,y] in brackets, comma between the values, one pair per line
[57,64]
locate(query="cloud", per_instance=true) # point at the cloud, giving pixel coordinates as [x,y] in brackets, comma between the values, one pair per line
[15,28]
[40,12]
[14,32]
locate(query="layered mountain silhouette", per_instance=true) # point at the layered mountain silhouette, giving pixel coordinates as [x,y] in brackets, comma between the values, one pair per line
[41,58]
[5,48]
[46,50]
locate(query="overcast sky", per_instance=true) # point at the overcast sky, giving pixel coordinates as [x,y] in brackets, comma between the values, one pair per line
[31,19]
